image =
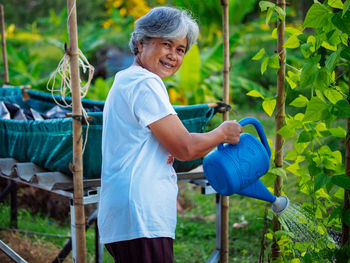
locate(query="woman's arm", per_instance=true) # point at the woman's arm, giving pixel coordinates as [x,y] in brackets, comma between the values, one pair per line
[187,146]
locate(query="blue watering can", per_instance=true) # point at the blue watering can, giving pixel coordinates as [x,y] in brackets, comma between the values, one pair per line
[236,169]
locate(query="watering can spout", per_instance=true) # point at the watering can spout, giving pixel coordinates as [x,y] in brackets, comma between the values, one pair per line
[280,205]
[259,191]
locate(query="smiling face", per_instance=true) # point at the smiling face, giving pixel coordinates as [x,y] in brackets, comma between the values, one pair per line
[161,56]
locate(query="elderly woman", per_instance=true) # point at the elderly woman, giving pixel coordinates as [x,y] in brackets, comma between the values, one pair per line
[141,136]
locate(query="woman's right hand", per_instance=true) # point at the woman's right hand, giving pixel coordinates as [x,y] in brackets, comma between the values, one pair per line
[231,131]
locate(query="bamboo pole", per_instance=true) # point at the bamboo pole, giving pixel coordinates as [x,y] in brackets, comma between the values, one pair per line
[280,107]
[226,70]
[3,45]
[345,228]
[77,133]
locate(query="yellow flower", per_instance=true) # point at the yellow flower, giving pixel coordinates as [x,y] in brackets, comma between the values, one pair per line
[117,3]
[172,95]
[264,27]
[123,11]
[10,32]
[162,2]
[108,23]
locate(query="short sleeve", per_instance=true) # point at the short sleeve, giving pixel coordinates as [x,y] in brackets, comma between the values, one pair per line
[151,102]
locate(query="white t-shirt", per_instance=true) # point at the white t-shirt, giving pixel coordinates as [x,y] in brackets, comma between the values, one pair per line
[139,185]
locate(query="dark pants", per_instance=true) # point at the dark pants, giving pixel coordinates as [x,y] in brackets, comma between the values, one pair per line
[142,250]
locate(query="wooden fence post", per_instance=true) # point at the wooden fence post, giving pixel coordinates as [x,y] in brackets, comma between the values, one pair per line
[3,45]
[280,108]
[77,133]
[225,199]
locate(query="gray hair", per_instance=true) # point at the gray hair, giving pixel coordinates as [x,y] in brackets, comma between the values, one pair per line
[164,22]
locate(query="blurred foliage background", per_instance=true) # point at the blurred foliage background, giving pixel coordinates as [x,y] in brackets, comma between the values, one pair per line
[37,30]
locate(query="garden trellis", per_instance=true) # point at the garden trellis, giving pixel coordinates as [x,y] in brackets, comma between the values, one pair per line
[280,115]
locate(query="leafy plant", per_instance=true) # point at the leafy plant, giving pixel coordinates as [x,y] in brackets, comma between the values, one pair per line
[316,118]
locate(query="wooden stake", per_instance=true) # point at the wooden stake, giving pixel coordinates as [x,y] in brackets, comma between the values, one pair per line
[280,107]
[226,70]
[345,228]
[77,133]
[3,45]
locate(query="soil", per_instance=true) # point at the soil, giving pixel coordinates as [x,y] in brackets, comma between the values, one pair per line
[37,200]
[33,251]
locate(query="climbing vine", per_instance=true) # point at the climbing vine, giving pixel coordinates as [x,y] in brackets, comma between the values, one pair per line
[317,101]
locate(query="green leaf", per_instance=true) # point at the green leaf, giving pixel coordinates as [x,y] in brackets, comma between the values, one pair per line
[299,102]
[338,132]
[345,52]
[291,155]
[268,15]
[341,109]
[269,236]
[268,179]
[265,4]
[346,217]
[342,22]
[212,59]
[308,74]
[274,61]
[293,79]
[279,172]
[307,258]
[341,181]
[322,129]
[344,39]
[346,7]
[269,106]
[317,16]
[255,93]
[323,79]
[332,95]
[189,73]
[336,4]
[305,136]
[314,110]
[260,54]
[292,30]
[300,147]
[286,132]
[321,180]
[281,13]
[332,60]
[291,83]
[292,42]
[335,213]
[264,65]
[306,49]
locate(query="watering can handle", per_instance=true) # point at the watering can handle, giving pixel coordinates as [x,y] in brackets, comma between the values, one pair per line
[260,130]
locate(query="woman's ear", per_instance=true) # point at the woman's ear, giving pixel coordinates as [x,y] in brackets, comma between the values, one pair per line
[139,47]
